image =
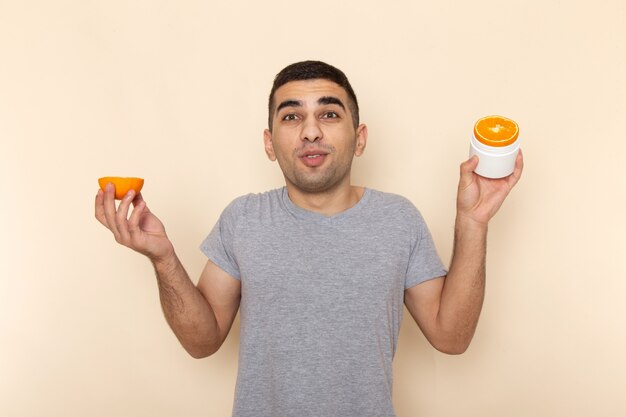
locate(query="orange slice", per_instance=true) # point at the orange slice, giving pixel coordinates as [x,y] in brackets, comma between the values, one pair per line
[122,185]
[496,131]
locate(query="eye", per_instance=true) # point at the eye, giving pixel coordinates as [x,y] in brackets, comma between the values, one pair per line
[330,115]
[289,117]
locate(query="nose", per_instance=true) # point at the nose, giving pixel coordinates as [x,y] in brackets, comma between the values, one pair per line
[311,130]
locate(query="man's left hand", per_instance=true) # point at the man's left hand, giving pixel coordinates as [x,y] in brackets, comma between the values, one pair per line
[479,198]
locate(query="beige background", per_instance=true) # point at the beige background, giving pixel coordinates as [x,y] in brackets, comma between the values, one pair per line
[176,92]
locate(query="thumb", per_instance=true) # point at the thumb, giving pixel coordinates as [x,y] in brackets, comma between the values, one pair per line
[467,169]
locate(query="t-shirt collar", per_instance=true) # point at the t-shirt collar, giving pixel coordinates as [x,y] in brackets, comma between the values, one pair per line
[305,214]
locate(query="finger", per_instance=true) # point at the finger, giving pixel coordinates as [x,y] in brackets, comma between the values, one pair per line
[467,171]
[99,208]
[110,210]
[139,200]
[121,217]
[469,165]
[139,208]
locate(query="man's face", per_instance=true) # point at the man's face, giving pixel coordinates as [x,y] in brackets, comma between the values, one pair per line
[313,136]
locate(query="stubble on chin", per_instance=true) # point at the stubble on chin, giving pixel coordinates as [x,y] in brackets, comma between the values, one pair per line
[323,181]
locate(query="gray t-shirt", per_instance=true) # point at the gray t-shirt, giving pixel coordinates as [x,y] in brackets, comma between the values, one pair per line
[321,300]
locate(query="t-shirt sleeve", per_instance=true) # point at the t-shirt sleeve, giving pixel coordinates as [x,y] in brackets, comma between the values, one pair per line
[218,245]
[424,262]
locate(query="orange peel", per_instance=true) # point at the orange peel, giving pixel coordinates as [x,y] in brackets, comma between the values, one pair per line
[122,185]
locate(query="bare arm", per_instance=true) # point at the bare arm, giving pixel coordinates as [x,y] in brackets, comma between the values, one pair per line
[200,316]
[447,309]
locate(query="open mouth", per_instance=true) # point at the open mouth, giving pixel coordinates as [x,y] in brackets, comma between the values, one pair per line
[313,159]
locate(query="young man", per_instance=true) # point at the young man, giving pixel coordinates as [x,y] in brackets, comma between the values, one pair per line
[319,269]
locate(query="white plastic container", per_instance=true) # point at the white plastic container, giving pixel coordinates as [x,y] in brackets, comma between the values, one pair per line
[496,159]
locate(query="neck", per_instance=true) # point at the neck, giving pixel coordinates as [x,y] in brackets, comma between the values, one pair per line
[328,202]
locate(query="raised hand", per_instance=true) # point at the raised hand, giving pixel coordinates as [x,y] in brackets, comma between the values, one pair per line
[479,198]
[142,231]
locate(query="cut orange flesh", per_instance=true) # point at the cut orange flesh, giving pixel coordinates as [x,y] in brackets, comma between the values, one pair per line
[496,131]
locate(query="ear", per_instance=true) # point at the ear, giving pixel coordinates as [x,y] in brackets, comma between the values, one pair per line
[269,145]
[361,140]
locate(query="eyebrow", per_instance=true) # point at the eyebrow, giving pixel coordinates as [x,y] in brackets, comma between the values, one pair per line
[331,100]
[289,103]
[322,101]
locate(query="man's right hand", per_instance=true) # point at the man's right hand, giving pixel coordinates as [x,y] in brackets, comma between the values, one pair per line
[142,231]
[201,316]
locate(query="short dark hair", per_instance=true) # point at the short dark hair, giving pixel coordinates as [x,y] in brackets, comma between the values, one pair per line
[311,70]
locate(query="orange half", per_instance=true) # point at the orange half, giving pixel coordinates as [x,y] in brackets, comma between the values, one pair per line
[496,131]
[122,185]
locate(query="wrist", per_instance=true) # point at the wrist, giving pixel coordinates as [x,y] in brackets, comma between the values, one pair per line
[164,262]
[467,223]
